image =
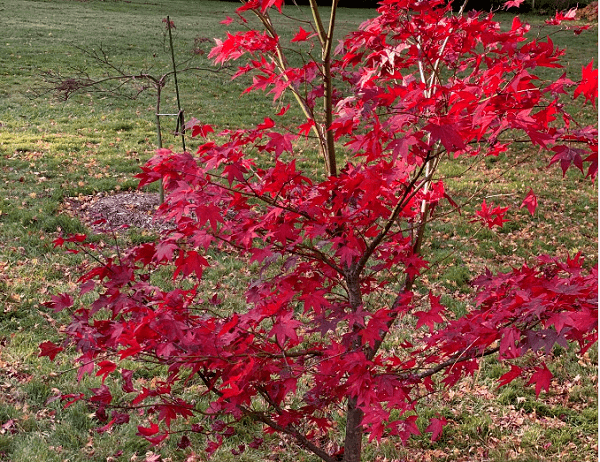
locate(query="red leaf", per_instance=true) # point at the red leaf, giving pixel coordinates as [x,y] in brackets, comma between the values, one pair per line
[513,4]
[148,431]
[85,368]
[101,395]
[188,263]
[570,15]
[72,398]
[201,130]
[558,86]
[509,343]
[155,441]
[491,216]
[436,427]
[49,349]
[235,46]
[284,328]
[59,302]
[106,427]
[105,368]
[283,110]
[127,377]
[511,375]
[531,202]
[580,29]
[164,251]
[301,36]
[305,128]
[447,134]
[269,3]
[541,378]
[429,318]
[567,156]
[230,325]
[589,84]
[279,143]
[268,123]
[184,442]
[279,88]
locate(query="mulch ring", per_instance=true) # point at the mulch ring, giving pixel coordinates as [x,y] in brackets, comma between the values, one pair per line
[588,13]
[104,212]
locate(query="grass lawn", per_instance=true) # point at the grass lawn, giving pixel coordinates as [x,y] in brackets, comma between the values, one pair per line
[52,150]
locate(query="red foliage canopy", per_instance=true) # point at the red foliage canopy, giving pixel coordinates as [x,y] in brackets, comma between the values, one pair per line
[411,88]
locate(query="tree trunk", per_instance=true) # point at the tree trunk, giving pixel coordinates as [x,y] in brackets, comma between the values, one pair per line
[161,187]
[354,432]
[354,415]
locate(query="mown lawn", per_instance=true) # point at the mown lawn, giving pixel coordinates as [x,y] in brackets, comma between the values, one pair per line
[93,143]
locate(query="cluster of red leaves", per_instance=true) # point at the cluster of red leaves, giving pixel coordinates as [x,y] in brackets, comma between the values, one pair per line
[491,216]
[527,309]
[319,308]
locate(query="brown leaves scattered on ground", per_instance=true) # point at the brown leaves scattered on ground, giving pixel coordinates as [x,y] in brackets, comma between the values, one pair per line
[111,212]
[588,13]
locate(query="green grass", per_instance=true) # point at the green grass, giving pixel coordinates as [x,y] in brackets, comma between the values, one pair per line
[52,149]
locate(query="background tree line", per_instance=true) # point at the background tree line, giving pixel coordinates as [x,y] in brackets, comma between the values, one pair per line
[535,6]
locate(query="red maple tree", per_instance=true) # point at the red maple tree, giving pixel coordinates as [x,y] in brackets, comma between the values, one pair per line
[413,88]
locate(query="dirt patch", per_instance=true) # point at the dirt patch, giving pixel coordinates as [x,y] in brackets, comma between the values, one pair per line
[115,212]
